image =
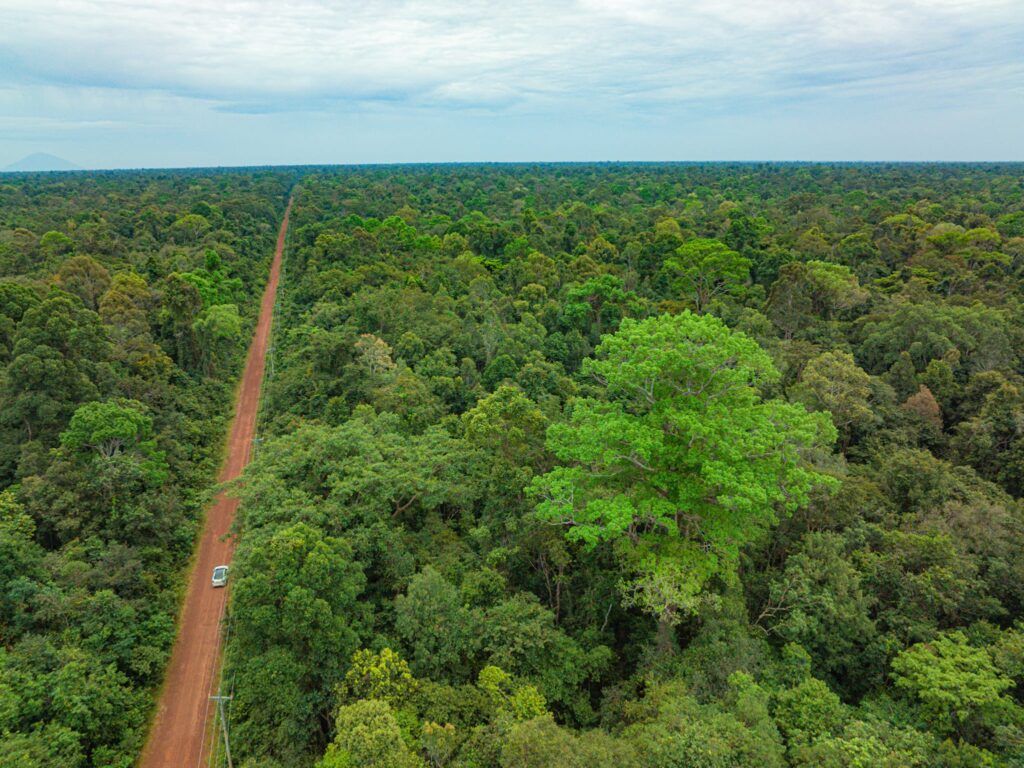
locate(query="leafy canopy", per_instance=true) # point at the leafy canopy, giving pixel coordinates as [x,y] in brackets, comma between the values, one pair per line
[680,458]
[107,427]
[704,268]
[951,679]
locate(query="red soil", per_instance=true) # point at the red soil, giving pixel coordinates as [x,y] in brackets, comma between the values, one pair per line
[180,736]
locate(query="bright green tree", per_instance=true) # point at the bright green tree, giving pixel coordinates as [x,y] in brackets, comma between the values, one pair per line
[952,680]
[107,428]
[680,462]
[212,282]
[509,698]
[368,736]
[383,676]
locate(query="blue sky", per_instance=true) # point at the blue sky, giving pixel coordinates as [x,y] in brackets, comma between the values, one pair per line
[113,83]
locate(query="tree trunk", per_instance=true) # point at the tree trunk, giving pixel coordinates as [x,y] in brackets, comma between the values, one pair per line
[665,639]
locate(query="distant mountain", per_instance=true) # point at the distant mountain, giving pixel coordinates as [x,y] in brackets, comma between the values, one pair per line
[41,161]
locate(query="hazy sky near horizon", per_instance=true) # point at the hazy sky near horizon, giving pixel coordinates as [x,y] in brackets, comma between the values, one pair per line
[117,83]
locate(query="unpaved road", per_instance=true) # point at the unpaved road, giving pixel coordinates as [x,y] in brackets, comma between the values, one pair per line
[179,737]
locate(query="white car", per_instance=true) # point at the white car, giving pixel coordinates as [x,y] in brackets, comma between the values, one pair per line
[220,576]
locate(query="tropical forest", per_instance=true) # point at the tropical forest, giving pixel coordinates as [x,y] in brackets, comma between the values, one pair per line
[655,465]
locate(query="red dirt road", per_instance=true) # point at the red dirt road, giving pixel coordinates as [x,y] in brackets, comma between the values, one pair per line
[179,734]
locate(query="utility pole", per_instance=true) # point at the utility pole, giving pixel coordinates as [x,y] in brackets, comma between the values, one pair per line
[224,724]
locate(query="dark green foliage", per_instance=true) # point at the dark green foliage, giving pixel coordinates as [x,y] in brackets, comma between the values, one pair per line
[448,342]
[450,337]
[109,435]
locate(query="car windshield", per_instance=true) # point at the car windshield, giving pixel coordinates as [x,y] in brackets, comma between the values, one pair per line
[220,571]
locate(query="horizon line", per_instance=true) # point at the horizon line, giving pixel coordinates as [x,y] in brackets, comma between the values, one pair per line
[425,163]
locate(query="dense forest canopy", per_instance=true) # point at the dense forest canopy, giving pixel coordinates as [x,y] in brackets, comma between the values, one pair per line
[657,465]
[125,304]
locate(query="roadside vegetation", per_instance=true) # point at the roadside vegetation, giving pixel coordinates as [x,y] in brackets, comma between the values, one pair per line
[126,301]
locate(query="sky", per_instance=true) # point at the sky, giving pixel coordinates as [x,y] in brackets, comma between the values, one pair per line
[172,83]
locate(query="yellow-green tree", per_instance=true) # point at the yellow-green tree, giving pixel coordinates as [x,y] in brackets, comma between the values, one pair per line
[679,462]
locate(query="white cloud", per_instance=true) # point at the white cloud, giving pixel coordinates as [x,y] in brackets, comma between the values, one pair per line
[610,62]
[438,50]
